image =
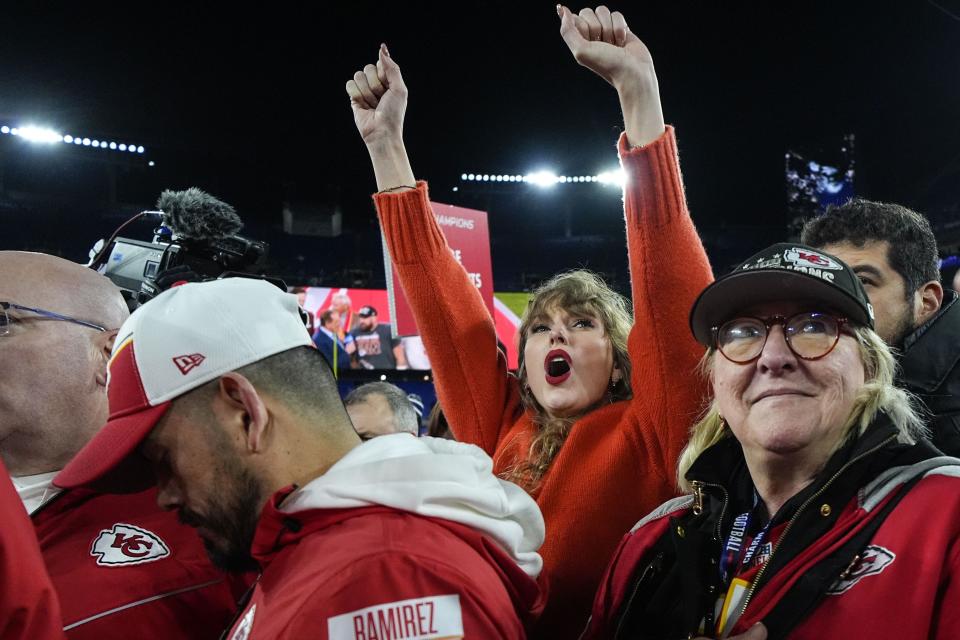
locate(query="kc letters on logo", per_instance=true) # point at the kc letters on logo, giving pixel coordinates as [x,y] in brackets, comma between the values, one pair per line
[126,544]
[873,560]
[417,619]
[811,259]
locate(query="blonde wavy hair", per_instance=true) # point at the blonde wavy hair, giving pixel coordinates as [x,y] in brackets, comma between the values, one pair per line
[576,292]
[877,394]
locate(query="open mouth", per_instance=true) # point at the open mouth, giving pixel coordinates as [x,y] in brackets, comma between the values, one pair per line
[557,366]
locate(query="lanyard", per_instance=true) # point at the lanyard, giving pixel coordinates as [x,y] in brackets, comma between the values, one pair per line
[755,544]
[733,557]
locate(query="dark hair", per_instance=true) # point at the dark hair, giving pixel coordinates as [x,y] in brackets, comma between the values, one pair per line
[325,317]
[912,246]
[300,378]
[404,415]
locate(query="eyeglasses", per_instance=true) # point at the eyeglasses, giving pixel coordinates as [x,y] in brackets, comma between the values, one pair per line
[809,335]
[6,321]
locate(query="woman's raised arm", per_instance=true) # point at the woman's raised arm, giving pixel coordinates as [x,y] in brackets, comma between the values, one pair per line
[477,394]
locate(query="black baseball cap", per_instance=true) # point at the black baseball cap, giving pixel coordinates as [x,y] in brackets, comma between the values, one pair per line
[785,271]
[366,311]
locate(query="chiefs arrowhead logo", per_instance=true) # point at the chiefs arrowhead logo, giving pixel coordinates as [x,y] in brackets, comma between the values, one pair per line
[808,258]
[188,363]
[871,561]
[126,544]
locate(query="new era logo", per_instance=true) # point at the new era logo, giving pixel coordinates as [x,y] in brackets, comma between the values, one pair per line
[126,544]
[186,364]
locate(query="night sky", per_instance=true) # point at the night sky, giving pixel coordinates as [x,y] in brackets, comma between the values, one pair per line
[250,105]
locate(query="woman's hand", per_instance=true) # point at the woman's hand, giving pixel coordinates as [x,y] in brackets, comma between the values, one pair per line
[602,42]
[378,97]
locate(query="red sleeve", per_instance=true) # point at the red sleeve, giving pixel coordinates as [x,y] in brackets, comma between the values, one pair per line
[473,385]
[29,608]
[668,270]
[413,597]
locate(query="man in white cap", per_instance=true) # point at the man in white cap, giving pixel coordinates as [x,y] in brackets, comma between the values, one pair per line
[217,385]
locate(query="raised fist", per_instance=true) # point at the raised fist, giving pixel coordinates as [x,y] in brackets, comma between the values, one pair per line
[378,97]
[602,42]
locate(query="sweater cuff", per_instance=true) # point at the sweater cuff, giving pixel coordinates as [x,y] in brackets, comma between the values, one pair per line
[654,186]
[408,224]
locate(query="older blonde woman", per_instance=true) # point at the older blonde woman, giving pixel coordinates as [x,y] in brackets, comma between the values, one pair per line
[814,509]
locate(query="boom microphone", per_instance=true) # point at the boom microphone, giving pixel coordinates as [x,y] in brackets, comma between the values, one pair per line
[195,215]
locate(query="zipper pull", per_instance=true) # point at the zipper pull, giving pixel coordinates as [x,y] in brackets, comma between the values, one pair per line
[697,497]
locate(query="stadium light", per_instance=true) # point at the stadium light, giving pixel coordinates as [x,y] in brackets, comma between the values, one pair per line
[547,179]
[616,177]
[543,179]
[45,135]
[40,135]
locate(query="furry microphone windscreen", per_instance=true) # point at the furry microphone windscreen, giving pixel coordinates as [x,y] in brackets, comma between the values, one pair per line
[196,215]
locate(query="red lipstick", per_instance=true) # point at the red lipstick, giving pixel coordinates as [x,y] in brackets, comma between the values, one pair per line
[557,366]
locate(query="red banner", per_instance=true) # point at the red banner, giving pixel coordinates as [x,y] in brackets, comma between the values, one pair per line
[468,235]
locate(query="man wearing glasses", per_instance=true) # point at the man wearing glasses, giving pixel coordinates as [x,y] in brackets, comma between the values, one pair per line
[121,566]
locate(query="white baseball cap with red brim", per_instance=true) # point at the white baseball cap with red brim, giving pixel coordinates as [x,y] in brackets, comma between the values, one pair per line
[180,340]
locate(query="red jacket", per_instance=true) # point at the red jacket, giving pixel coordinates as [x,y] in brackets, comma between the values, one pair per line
[28,603]
[619,461]
[903,583]
[123,568]
[378,572]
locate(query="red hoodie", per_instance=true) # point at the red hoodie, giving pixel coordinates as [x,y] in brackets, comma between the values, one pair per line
[385,573]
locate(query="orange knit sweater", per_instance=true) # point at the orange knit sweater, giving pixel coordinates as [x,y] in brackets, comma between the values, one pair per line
[619,461]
